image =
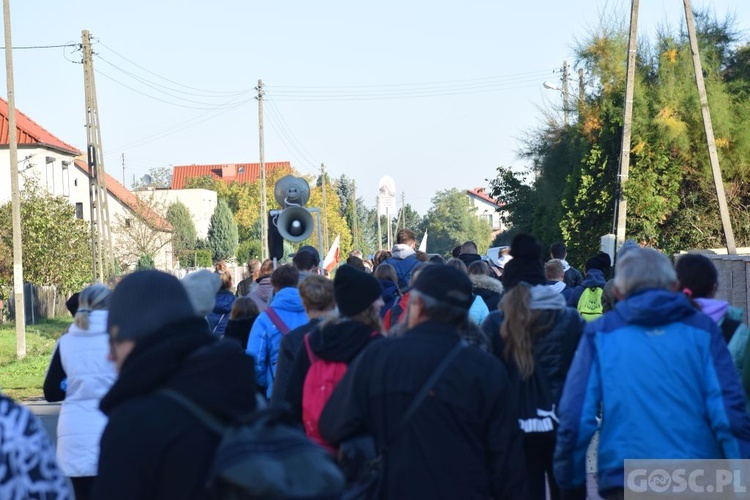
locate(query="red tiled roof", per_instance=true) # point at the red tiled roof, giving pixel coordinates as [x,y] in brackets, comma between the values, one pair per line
[131,201]
[30,132]
[482,195]
[230,172]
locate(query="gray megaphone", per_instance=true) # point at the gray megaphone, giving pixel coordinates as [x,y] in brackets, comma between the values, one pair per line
[295,224]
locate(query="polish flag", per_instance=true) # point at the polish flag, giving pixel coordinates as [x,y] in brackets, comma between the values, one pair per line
[332,257]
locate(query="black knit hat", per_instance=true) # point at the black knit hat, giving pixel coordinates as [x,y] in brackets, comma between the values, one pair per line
[354,290]
[601,261]
[144,302]
[526,265]
[445,284]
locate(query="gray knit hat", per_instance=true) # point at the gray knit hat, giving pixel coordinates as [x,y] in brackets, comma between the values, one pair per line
[144,302]
[201,287]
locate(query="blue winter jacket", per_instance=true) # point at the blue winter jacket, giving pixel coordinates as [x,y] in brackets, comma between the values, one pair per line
[264,340]
[403,267]
[219,317]
[663,377]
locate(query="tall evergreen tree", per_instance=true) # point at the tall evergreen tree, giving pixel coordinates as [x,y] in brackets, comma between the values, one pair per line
[184,236]
[222,233]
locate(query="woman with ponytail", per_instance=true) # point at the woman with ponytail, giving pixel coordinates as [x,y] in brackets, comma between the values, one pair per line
[79,375]
[535,335]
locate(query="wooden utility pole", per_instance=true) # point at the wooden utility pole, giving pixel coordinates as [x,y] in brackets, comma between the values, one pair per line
[123,169]
[20,304]
[355,229]
[263,203]
[101,235]
[708,127]
[581,88]
[402,215]
[627,125]
[380,230]
[325,206]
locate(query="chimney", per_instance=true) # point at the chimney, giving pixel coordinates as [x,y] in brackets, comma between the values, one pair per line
[229,171]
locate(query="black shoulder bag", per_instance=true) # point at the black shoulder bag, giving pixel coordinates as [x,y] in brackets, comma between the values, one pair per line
[362,465]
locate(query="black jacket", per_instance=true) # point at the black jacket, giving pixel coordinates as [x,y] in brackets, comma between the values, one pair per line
[152,448]
[288,348]
[463,442]
[338,341]
[553,351]
[239,330]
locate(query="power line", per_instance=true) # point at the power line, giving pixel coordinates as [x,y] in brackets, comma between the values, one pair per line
[293,150]
[275,110]
[158,87]
[163,77]
[32,47]
[209,107]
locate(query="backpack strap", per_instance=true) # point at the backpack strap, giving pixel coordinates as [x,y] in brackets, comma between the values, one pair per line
[210,421]
[728,327]
[310,354]
[423,391]
[277,321]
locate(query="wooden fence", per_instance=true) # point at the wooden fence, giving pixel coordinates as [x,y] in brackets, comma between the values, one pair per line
[734,280]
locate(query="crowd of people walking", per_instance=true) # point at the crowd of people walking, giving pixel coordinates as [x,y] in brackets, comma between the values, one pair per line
[415,376]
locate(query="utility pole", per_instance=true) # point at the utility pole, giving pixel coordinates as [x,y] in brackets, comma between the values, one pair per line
[708,126]
[263,204]
[402,215]
[101,235]
[355,229]
[380,231]
[627,125]
[566,101]
[325,206]
[123,169]
[20,304]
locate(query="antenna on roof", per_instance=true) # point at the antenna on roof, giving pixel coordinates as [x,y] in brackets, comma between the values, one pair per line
[147,180]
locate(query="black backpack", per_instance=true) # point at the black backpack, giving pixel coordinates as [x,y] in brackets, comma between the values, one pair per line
[263,457]
[536,410]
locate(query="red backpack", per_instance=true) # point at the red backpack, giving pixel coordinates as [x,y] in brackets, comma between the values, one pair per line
[320,381]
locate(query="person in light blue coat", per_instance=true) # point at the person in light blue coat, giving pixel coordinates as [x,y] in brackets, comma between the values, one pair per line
[284,313]
[659,373]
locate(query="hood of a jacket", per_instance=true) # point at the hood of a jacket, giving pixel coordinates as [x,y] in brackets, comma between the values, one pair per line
[264,290]
[401,251]
[714,308]
[97,324]
[224,301]
[341,340]
[485,283]
[654,307]
[469,258]
[287,299]
[565,265]
[557,286]
[185,357]
[594,278]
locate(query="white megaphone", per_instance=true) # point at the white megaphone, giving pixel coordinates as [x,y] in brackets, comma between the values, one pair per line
[295,224]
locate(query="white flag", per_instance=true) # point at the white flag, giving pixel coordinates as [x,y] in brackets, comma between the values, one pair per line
[332,257]
[423,244]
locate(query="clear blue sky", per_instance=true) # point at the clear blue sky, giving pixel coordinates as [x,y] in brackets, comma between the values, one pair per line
[496,55]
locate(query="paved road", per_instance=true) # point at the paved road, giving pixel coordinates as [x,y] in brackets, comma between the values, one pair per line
[47,413]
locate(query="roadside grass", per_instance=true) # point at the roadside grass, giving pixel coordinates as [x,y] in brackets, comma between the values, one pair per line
[23,378]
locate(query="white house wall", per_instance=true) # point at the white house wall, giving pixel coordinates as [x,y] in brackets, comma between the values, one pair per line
[201,203]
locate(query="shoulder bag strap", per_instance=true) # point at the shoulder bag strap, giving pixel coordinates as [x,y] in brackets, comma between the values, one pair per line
[277,321]
[422,394]
[209,420]
[310,354]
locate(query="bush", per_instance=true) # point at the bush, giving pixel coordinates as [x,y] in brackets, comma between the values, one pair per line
[248,249]
[145,262]
[198,258]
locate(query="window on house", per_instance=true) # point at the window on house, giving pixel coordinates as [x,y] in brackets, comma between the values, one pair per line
[127,222]
[79,210]
[66,178]
[50,174]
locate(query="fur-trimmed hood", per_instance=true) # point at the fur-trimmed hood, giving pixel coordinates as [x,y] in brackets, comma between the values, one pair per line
[486,283]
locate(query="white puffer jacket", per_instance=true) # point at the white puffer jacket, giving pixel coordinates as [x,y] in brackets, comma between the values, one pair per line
[83,354]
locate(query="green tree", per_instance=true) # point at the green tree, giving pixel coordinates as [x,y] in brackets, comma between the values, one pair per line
[184,236]
[145,262]
[452,220]
[222,233]
[56,245]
